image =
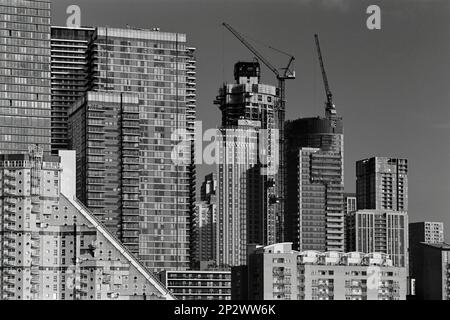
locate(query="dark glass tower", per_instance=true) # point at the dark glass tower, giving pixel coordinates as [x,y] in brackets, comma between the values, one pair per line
[104,131]
[69,75]
[315,183]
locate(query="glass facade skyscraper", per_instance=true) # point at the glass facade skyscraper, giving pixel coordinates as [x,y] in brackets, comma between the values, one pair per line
[159,68]
[249,105]
[315,193]
[248,168]
[24,75]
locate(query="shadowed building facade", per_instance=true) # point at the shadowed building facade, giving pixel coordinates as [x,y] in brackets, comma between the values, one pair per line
[104,132]
[431,265]
[428,256]
[69,77]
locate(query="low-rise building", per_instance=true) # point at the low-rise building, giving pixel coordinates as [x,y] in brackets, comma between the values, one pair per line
[198,285]
[277,272]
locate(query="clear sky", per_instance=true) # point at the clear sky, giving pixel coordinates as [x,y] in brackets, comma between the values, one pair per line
[390,85]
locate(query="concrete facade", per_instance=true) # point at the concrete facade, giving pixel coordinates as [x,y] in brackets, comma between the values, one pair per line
[279,273]
[53,248]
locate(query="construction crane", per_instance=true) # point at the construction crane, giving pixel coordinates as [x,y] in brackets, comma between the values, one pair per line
[281,77]
[277,197]
[330,108]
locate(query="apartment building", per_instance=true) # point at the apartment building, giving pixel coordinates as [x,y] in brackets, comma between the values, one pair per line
[382,183]
[104,131]
[53,247]
[159,68]
[68,78]
[380,231]
[277,272]
[25,110]
[315,186]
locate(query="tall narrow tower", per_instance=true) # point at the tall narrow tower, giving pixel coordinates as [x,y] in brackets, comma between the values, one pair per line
[380,223]
[249,156]
[69,76]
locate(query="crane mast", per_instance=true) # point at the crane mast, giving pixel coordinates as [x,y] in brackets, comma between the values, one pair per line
[330,109]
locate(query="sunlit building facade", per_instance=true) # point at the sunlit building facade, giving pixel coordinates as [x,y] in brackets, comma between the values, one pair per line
[53,247]
[25,110]
[159,68]
[277,272]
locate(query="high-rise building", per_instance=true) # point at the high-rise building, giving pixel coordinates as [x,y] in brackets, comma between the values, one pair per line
[159,68]
[382,183]
[198,285]
[53,248]
[379,231]
[104,131]
[204,227]
[277,272]
[203,234]
[249,100]
[318,225]
[69,77]
[349,202]
[239,197]
[431,271]
[25,110]
[315,184]
[349,207]
[208,188]
[381,222]
[422,233]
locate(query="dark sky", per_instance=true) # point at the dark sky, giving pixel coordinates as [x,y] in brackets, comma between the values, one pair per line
[390,85]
